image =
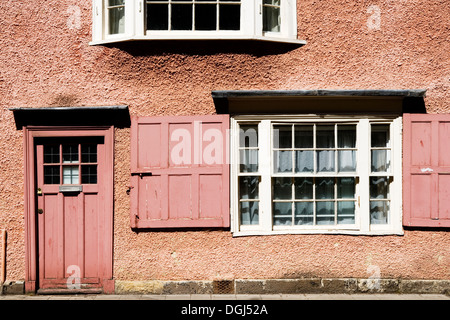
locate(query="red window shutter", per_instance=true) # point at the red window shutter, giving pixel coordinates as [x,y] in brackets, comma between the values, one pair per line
[426,170]
[180,172]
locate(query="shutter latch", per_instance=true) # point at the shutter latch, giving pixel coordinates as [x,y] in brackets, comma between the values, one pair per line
[141,174]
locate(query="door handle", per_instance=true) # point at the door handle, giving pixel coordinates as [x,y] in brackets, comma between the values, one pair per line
[40,211]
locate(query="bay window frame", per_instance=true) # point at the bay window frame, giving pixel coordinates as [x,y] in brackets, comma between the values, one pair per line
[363,173]
[251,23]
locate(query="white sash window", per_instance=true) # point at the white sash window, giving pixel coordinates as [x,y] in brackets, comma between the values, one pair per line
[316,175]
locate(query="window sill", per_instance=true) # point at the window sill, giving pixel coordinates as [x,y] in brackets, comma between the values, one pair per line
[318,231]
[197,37]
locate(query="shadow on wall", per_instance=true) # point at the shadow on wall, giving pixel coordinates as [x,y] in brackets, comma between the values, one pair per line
[255,48]
[414,105]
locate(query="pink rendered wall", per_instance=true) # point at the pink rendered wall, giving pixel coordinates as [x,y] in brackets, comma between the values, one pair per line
[45,60]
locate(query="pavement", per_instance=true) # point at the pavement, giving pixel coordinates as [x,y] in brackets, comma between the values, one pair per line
[240,297]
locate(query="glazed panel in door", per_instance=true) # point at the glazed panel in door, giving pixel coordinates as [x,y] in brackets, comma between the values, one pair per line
[73,242]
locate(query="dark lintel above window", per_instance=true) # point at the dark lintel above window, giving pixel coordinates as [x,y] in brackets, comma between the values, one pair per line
[319,101]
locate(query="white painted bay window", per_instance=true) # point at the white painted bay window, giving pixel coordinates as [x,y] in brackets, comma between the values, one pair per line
[316,175]
[122,20]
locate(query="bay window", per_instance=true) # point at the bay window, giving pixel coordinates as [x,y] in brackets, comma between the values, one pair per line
[316,175]
[122,20]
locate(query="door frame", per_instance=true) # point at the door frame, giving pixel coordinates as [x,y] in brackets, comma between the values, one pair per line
[31,227]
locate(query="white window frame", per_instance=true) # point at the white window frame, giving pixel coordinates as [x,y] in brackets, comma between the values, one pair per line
[251,25]
[362,216]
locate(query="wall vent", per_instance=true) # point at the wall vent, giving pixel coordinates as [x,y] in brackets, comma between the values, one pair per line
[223,286]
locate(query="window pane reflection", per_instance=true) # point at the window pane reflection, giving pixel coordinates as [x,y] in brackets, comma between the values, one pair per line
[71,175]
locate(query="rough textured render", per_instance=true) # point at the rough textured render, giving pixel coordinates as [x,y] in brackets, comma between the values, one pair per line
[46,61]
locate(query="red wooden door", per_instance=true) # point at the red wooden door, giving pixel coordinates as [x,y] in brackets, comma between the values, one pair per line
[72,217]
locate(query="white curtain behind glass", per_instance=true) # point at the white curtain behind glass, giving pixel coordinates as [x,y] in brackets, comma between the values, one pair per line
[325,161]
[283,161]
[347,158]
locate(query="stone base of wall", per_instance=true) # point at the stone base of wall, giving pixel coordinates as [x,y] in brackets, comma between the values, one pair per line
[284,286]
[12,287]
[267,286]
